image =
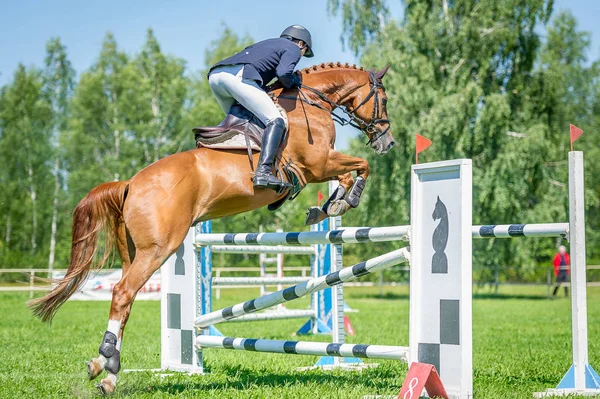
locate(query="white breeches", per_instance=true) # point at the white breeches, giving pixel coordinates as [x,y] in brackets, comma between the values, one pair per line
[228,86]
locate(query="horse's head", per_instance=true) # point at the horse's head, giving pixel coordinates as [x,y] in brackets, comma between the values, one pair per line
[357,93]
[370,109]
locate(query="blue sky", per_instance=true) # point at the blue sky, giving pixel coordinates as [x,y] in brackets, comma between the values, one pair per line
[185,27]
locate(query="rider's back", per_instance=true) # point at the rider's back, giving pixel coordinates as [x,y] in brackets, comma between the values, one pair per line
[263,59]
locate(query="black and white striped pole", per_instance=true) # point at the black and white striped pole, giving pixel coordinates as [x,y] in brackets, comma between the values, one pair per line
[305,348]
[288,294]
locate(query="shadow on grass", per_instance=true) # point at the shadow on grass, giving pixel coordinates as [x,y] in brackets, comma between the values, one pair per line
[385,296]
[240,378]
[490,295]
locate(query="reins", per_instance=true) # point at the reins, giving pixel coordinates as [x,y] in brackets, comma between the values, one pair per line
[351,118]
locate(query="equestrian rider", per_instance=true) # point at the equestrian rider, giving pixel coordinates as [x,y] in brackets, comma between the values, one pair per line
[242,78]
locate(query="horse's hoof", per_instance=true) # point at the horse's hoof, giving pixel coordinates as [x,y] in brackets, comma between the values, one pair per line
[94,368]
[338,208]
[106,387]
[314,215]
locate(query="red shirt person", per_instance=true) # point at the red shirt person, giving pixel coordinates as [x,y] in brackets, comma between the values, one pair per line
[562,269]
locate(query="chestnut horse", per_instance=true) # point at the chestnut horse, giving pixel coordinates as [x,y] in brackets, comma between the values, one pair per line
[149,215]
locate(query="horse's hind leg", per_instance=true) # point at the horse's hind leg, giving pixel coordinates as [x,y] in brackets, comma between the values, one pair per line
[151,251]
[126,253]
[124,292]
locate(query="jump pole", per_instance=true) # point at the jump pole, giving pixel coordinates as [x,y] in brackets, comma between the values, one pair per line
[297,291]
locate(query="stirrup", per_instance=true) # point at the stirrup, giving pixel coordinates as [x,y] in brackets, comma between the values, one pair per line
[271,182]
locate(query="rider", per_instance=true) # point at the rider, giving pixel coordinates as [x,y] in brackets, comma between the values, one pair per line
[242,78]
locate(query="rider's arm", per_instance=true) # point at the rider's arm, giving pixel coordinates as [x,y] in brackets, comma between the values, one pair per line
[285,69]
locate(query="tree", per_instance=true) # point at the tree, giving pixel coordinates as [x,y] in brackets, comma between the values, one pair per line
[160,89]
[100,145]
[59,78]
[473,77]
[26,125]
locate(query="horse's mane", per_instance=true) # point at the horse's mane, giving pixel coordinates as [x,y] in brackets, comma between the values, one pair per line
[330,65]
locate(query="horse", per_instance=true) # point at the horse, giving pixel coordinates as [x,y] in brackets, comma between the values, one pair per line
[149,215]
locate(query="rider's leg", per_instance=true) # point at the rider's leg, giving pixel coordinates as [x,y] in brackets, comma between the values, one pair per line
[252,97]
[218,82]
[263,176]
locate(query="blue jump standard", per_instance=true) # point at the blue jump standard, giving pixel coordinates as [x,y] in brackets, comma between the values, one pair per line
[592,379]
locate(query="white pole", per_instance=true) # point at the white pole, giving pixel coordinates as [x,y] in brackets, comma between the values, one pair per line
[216,285]
[337,303]
[578,264]
[263,273]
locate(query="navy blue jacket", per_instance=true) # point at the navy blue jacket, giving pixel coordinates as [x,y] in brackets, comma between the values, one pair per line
[266,60]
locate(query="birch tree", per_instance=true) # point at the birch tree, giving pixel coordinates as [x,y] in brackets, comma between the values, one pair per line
[59,83]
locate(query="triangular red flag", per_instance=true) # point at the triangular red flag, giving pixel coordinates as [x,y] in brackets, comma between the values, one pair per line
[422,144]
[320,197]
[575,133]
[422,375]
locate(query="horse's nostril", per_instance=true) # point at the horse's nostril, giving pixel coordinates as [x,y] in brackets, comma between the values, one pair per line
[390,145]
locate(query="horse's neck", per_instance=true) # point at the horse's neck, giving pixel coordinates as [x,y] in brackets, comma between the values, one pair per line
[339,85]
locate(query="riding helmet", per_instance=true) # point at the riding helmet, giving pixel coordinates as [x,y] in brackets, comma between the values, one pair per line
[299,32]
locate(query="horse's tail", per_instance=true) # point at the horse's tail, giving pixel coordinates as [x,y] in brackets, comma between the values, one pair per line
[100,210]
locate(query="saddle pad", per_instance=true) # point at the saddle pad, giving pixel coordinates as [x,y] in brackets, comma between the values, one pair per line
[232,140]
[235,139]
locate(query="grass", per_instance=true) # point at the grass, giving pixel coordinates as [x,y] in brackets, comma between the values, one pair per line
[522,344]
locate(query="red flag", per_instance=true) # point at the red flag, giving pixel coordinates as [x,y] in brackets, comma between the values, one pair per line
[320,197]
[422,144]
[575,133]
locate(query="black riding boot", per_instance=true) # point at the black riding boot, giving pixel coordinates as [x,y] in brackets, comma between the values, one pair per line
[263,177]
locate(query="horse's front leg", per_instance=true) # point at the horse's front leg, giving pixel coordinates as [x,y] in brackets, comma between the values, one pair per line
[347,195]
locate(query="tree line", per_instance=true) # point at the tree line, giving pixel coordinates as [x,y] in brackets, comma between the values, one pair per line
[475,77]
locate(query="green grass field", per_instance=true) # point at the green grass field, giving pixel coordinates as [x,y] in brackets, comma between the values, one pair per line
[522,344]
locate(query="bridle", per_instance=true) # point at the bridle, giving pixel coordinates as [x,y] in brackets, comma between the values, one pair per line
[352,120]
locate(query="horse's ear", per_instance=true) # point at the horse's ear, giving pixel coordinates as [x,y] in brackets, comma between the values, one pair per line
[380,74]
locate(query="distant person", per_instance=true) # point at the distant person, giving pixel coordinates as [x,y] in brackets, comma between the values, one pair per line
[561,269]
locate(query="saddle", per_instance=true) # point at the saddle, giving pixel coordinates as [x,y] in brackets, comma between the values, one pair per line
[238,131]
[242,130]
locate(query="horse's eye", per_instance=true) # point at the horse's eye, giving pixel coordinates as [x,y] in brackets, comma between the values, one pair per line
[384,101]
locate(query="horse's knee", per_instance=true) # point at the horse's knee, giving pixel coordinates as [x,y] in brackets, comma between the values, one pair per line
[365,169]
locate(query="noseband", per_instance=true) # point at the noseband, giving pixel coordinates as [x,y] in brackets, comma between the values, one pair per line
[351,118]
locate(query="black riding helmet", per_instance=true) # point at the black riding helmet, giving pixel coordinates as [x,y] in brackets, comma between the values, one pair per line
[299,32]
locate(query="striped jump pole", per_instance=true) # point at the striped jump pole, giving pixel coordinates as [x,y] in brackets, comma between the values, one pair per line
[349,235]
[305,348]
[313,285]
[227,242]
[522,230]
